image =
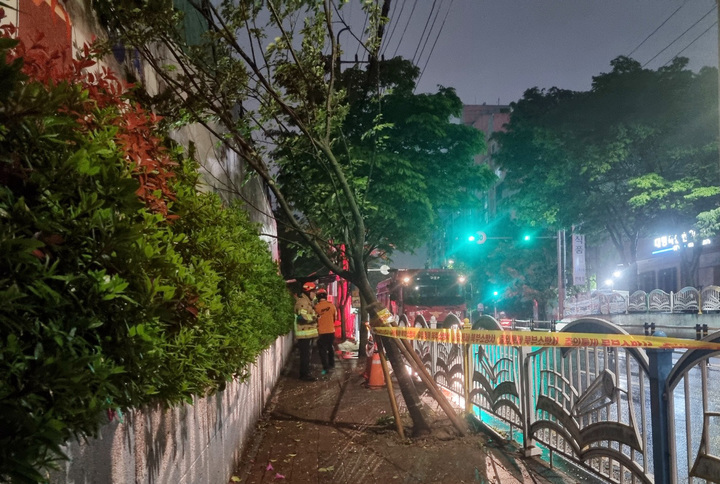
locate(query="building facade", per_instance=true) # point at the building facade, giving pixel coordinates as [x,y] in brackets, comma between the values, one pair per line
[455,225]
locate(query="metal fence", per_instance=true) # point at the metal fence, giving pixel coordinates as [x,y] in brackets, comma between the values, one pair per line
[625,415]
[687,299]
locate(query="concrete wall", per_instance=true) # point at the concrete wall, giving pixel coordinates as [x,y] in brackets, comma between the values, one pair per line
[675,325]
[189,444]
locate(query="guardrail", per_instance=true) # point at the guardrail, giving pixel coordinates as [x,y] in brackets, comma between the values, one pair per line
[687,299]
[618,413]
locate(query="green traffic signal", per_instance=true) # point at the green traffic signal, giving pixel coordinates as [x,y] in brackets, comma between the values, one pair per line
[527,238]
[471,238]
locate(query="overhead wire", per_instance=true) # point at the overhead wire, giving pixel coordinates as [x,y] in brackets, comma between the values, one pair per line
[435,43]
[386,38]
[422,35]
[658,28]
[427,38]
[363,29]
[405,29]
[395,21]
[691,43]
[346,25]
[679,36]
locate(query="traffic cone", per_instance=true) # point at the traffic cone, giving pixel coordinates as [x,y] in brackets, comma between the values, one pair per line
[377,378]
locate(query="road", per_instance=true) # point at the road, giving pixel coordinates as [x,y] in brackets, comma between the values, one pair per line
[690,414]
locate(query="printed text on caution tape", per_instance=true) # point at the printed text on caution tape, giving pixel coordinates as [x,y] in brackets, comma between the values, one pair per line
[524,338]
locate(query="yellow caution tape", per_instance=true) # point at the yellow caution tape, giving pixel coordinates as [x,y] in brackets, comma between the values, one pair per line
[525,338]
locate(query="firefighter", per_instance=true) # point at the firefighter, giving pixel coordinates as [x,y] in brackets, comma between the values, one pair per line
[305,328]
[326,314]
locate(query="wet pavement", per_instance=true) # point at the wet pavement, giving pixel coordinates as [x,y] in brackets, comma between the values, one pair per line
[336,430]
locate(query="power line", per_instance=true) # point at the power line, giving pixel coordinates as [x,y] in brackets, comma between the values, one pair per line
[395,24]
[405,30]
[427,22]
[367,12]
[679,36]
[658,28]
[432,27]
[691,43]
[435,43]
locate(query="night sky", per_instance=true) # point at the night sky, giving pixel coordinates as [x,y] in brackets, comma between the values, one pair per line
[493,50]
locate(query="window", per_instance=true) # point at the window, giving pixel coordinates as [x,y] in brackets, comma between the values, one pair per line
[434,289]
[646,281]
[667,279]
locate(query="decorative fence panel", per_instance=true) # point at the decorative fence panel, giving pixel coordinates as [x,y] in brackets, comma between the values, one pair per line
[659,300]
[687,299]
[597,407]
[588,407]
[638,302]
[694,417]
[710,298]
[495,387]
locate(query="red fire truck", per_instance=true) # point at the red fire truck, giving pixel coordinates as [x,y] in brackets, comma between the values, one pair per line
[433,298]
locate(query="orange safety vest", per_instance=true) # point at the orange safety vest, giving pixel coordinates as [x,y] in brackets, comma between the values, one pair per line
[326,316]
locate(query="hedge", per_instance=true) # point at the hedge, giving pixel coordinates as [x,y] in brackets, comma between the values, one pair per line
[120,283]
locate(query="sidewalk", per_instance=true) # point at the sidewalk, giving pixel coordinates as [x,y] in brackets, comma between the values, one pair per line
[336,430]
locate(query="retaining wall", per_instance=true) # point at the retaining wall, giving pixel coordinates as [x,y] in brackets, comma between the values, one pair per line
[675,325]
[189,444]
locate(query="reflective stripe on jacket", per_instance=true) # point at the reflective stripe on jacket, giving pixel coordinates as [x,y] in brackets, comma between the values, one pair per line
[305,319]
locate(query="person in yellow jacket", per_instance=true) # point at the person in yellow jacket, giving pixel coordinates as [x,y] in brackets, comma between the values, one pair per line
[305,328]
[326,313]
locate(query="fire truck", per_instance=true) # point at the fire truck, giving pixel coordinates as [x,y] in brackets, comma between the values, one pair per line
[433,298]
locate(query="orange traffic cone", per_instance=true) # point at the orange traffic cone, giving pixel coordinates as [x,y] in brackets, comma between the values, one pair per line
[377,378]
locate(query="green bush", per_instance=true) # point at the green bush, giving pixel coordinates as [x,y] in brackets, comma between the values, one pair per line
[106,301]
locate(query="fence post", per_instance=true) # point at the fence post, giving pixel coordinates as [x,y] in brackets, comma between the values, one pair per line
[469,370]
[526,401]
[660,361]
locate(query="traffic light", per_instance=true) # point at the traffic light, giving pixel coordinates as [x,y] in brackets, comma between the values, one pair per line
[478,237]
[527,237]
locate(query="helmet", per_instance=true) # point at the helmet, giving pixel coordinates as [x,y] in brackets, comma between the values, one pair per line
[322,293]
[309,286]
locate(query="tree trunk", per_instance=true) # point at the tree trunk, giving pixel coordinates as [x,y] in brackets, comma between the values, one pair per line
[407,388]
[689,264]
[362,317]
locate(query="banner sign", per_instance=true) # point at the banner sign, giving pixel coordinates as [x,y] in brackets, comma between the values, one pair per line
[578,260]
[541,339]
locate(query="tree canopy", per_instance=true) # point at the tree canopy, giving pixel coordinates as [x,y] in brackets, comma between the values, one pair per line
[353,158]
[406,159]
[633,156]
[263,78]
